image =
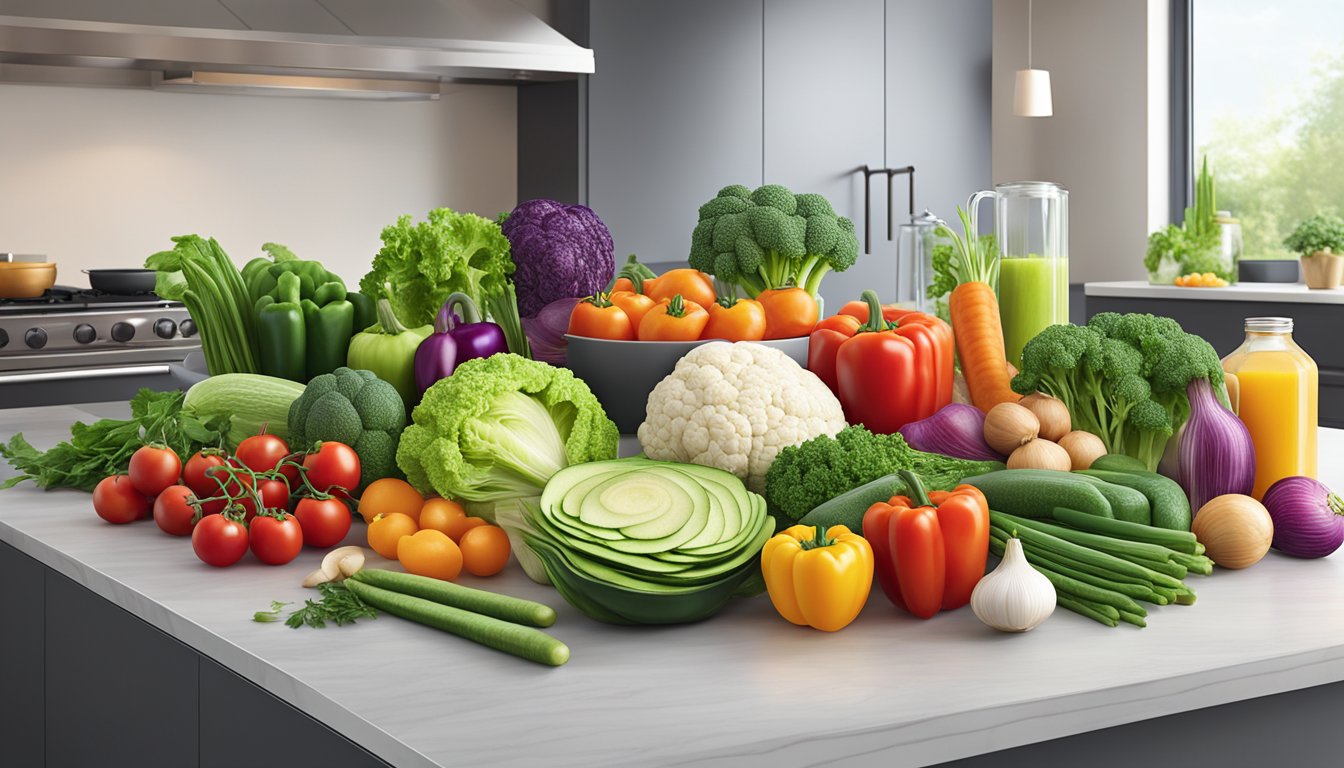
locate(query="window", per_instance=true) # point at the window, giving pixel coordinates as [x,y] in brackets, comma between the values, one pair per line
[1267,108]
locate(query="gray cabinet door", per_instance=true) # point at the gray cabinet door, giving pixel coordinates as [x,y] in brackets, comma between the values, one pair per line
[938,98]
[674,114]
[824,120]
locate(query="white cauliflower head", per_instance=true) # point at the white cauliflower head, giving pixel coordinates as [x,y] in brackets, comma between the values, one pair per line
[734,406]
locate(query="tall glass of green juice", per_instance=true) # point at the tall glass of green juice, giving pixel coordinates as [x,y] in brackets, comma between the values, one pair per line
[1031,228]
[1033,294]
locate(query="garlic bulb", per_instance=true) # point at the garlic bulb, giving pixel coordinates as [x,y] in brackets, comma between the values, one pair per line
[1014,597]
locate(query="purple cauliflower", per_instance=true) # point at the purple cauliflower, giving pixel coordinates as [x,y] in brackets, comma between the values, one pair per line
[562,251]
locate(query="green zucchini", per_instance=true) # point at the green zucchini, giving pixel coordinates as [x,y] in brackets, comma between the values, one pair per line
[848,508]
[1035,493]
[1170,507]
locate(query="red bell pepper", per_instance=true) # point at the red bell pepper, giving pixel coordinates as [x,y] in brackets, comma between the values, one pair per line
[930,553]
[886,374]
[900,316]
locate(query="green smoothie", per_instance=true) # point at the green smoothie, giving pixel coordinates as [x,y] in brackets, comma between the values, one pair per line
[1033,294]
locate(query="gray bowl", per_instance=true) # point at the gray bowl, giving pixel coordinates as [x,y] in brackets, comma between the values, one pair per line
[623,373]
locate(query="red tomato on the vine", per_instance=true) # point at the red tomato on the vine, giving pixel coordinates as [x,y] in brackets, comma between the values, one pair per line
[219,540]
[333,465]
[203,485]
[154,467]
[274,494]
[262,453]
[116,500]
[325,521]
[276,541]
[172,512]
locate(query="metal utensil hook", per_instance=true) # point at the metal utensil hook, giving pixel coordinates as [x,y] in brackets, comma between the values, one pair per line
[868,174]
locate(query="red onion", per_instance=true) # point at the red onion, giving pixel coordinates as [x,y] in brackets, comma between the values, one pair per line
[1216,453]
[546,331]
[957,429]
[1308,518]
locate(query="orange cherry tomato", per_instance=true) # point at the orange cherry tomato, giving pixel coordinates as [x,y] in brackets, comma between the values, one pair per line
[598,318]
[389,495]
[439,514]
[635,305]
[743,320]
[430,553]
[461,525]
[692,284]
[485,550]
[789,312]
[385,532]
[674,320]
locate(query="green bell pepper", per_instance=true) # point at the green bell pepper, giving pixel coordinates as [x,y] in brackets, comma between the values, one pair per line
[366,311]
[281,331]
[388,349]
[329,328]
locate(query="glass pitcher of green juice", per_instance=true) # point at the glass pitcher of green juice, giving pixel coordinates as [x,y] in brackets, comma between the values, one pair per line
[1031,227]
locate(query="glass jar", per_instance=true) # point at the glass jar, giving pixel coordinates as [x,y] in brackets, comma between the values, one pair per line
[914,262]
[1229,247]
[1272,385]
[1031,227]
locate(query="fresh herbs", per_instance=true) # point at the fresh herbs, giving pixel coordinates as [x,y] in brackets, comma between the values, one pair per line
[1194,247]
[95,451]
[1322,232]
[337,605]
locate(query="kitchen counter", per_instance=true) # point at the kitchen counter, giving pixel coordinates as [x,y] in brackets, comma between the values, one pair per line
[1293,293]
[742,688]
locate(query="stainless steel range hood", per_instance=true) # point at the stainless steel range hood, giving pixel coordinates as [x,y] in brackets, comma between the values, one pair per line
[396,49]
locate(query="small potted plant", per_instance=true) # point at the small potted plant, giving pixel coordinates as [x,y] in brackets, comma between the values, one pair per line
[1320,242]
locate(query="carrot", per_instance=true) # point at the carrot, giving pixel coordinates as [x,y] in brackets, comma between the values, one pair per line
[975,318]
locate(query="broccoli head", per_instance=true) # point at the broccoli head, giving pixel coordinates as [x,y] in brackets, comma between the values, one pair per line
[355,408]
[1123,377]
[824,467]
[771,238]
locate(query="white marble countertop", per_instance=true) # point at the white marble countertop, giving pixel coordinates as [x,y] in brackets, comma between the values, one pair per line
[1295,293]
[743,688]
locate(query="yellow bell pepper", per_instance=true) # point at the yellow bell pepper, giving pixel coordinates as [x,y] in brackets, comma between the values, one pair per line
[818,579]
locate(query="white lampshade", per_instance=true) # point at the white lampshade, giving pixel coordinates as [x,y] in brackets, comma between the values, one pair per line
[1031,94]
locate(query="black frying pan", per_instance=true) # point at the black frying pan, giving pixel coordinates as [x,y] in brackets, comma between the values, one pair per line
[121,281]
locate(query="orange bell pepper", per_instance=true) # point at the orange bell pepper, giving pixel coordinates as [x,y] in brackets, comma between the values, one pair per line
[635,305]
[674,320]
[596,317]
[929,553]
[692,284]
[735,320]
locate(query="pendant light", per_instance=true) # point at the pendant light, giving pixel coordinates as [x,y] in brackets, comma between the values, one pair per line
[1031,89]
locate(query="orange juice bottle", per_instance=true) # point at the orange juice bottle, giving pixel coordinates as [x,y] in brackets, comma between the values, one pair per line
[1272,386]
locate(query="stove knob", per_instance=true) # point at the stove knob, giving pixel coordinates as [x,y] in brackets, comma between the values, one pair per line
[4,338]
[165,329]
[123,331]
[35,338]
[85,334]
[188,328]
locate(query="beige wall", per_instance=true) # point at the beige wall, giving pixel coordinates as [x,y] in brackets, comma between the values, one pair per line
[103,177]
[1107,141]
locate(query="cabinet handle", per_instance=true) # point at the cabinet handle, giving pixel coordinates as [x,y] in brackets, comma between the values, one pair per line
[868,174]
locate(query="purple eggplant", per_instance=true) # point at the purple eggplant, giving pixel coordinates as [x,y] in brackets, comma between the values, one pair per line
[456,341]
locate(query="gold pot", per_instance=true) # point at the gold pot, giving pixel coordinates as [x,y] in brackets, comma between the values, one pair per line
[25,280]
[1323,269]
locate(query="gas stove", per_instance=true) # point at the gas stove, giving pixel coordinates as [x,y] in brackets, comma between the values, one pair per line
[80,337]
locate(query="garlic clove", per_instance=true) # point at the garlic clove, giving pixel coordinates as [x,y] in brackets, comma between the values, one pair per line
[1014,597]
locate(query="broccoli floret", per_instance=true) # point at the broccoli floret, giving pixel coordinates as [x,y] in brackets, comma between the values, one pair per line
[771,238]
[355,408]
[822,468]
[1123,377]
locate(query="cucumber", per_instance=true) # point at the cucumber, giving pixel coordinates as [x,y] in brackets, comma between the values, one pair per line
[1119,462]
[1127,504]
[1170,507]
[848,508]
[1035,493]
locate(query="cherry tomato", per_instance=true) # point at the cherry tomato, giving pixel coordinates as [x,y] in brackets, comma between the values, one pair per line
[195,477]
[693,285]
[173,514]
[389,495]
[219,540]
[485,550]
[386,530]
[116,500]
[333,465]
[461,525]
[263,453]
[789,312]
[325,521]
[154,467]
[273,491]
[276,540]
[430,553]
[596,317]
[439,514]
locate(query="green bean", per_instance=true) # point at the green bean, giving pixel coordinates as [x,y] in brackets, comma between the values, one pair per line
[1118,547]
[1028,532]
[1089,610]
[1194,563]
[1174,570]
[1179,541]
[1084,590]
[1136,591]
[1133,618]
